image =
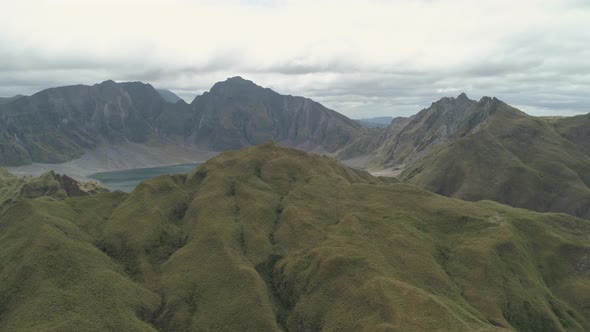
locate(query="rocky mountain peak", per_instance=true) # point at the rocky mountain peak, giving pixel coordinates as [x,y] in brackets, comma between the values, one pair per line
[486,99]
[462,96]
[491,105]
[235,86]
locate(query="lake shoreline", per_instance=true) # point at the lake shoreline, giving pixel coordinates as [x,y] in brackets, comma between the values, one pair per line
[119,157]
[127,180]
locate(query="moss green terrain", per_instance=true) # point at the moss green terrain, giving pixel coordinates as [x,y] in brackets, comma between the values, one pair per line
[48,185]
[576,129]
[271,239]
[512,158]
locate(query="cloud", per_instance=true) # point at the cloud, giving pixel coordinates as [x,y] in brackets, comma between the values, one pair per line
[362,58]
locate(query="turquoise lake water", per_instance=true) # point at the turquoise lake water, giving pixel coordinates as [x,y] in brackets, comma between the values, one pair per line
[127,180]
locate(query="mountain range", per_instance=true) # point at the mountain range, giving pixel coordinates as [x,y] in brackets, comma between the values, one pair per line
[276,239]
[273,238]
[61,124]
[457,147]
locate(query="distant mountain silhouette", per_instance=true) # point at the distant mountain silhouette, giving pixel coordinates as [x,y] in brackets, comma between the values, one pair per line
[60,124]
[169,96]
[378,122]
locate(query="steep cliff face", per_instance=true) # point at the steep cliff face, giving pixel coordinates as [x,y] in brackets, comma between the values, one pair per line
[61,124]
[238,113]
[410,139]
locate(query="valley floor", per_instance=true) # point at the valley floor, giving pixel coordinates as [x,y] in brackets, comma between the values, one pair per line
[120,157]
[128,155]
[388,172]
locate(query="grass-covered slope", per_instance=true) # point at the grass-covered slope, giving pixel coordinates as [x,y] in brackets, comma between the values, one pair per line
[49,184]
[269,239]
[512,158]
[576,129]
[54,279]
[7,184]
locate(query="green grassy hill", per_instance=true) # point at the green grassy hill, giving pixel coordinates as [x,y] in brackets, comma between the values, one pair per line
[7,185]
[576,129]
[270,238]
[511,158]
[48,185]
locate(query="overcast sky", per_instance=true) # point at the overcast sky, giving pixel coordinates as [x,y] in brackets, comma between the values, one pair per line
[362,58]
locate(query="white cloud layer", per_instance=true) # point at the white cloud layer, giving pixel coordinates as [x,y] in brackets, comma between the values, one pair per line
[362,58]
